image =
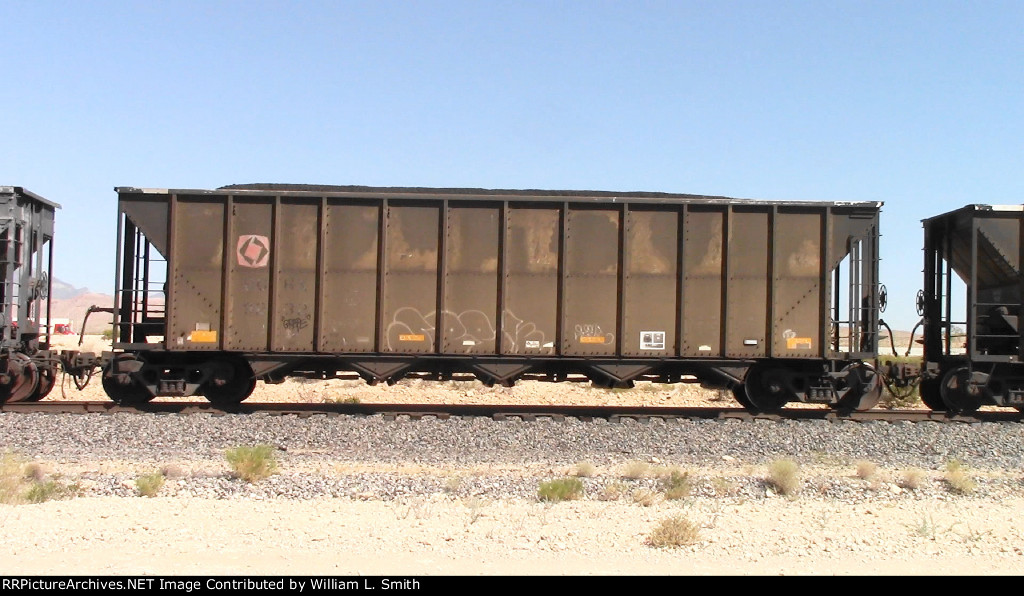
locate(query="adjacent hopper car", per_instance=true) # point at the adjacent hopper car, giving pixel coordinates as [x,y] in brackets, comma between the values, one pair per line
[776,301]
[983,246]
[28,370]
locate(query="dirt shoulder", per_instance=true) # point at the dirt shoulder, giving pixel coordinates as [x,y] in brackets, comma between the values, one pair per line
[444,536]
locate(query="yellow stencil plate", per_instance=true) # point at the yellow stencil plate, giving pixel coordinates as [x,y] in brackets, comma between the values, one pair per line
[203,336]
[798,343]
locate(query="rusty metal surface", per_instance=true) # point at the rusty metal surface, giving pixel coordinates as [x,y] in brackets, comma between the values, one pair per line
[589,325]
[469,313]
[797,301]
[650,285]
[410,279]
[347,270]
[350,253]
[702,288]
[529,321]
[247,299]
[749,284]
[196,259]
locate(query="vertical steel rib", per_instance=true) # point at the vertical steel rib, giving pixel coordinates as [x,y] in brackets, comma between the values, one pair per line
[382,264]
[682,217]
[560,292]
[442,278]
[275,260]
[321,274]
[225,280]
[769,345]
[726,272]
[502,271]
[620,300]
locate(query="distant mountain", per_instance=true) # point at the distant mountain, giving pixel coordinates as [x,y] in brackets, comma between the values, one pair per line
[65,291]
[69,302]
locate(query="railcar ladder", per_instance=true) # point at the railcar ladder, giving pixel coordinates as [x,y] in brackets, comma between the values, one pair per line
[11,245]
[862,289]
[143,303]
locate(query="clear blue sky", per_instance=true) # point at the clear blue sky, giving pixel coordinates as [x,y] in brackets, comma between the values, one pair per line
[914,103]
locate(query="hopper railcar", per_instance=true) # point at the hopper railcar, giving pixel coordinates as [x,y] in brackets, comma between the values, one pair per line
[216,289]
[973,265]
[28,369]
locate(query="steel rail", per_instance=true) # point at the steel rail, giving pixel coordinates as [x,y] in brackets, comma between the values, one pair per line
[506,412]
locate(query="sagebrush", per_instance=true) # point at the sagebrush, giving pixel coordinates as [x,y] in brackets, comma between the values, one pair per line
[912,479]
[149,485]
[866,470]
[958,478]
[561,489]
[585,469]
[674,532]
[784,475]
[252,463]
[677,485]
[635,470]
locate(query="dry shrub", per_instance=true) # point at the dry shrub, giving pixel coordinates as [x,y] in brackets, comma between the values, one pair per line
[866,470]
[453,485]
[677,485]
[149,485]
[674,532]
[912,479]
[958,478]
[784,475]
[723,487]
[34,472]
[561,489]
[635,470]
[585,469]
[252,463]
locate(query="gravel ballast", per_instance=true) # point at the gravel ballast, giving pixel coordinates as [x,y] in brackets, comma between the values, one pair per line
[476,440]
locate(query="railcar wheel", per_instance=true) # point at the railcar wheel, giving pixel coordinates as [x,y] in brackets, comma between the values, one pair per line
[124,389]
[47,379]
[231,383]
[958,393]
[24,379]
[132,394]
[864,388]
[931,394]
[767,389]
[739,392]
